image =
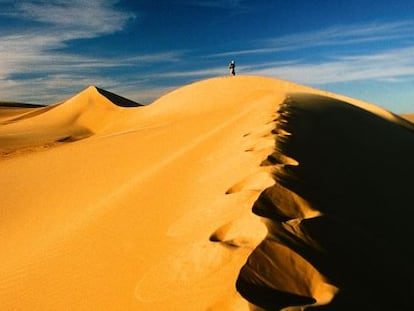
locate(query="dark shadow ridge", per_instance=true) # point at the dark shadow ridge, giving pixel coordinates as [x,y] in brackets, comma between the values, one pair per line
[118,100]
[270,299]
[356,168]
[19,105]
[353,165]
[32,113]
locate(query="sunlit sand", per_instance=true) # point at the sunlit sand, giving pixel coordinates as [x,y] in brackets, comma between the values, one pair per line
[233,193]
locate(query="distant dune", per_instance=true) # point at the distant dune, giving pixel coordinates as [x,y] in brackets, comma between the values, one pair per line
[4,104]
[233,193]
[8,109]
[408,116]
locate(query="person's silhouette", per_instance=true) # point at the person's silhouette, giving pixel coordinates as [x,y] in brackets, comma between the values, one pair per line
[232,68]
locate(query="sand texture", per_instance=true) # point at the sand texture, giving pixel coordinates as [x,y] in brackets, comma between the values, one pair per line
[233,193]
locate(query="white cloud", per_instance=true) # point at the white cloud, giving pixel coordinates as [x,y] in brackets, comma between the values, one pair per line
[389,57]
[33,49]
[389,65]
[201,73]
[78,18]
[37,51]
[345,35]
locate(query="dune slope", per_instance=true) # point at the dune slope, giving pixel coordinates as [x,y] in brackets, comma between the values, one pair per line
[108,205]
[341,213]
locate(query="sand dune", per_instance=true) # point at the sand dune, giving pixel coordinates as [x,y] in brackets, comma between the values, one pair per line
[343,210]
[408,116]
[241,193]
[9,110]
[88,113]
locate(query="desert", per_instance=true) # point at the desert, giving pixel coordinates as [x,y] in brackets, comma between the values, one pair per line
[229,193]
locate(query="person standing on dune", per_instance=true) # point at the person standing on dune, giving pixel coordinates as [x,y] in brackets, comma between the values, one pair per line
[232,68]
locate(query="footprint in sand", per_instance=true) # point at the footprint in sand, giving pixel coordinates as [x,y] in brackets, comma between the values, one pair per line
[178,272]
[255,182]
[262,145]
[213,214]
[192,264]
[245,232]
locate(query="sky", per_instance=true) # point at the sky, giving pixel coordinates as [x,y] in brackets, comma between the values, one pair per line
[52,49]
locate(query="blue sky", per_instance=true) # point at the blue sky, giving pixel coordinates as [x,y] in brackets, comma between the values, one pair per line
[50,50]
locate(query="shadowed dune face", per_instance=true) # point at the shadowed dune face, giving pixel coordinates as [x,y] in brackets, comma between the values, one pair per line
[343,212]
[19,105]
[118,100]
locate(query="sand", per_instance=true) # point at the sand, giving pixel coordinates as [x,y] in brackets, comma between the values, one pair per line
[408,116]
[233,193]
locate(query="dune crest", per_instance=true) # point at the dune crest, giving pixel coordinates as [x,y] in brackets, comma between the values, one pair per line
[331,211]
[91,111]
[233,193]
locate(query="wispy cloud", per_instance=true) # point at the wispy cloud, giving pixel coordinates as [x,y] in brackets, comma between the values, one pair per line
[60,87]
[37,66]
[47,90]
[201,73]
[370,51]
[345,35]
[390,65]
[38,52]
[57,23]
[76,18]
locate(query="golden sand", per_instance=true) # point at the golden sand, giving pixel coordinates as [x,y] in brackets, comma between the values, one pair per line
[233,193]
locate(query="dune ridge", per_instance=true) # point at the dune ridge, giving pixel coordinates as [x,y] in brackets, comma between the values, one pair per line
[87,113]
[233,193]
[408,116]
[330,211]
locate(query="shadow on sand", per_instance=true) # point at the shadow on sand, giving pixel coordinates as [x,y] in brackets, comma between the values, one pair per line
[340,222]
